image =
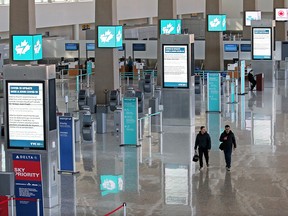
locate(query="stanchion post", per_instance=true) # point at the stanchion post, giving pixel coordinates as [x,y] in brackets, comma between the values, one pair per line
[127,78]
[149,122]
[61,75]
[88,80]
[81,79]
[12,206]
[66,102]
[124,209]
[77,87]
[140,129]
[38,207]
[161,121]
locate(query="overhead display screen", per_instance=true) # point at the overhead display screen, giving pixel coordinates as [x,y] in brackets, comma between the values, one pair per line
[245,47]
[170,27]
[175,66]
[251,15]
[261,43]
[25,104]
[216,22]
[71,46]
[231,47]
[139,47]
[27,47]
[110,36]
[281,14]
[90,46]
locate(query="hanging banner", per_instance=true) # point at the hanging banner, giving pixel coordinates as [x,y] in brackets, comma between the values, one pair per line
[213,92]
[28,183]
[66,143]
[242,77]
[130,121]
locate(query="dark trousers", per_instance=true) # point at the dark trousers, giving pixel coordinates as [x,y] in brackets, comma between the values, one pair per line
[206,155]
[253,83]
[228,153]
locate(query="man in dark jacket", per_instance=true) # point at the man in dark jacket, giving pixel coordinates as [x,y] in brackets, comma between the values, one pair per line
[228,139]
[203,143]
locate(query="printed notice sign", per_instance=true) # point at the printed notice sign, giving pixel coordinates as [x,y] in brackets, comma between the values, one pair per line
[28,183]
[213,92]
[262,44]
[25,115]
[175,66]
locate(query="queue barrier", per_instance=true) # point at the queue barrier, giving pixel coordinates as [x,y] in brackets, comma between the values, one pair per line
[4,204]
[124,206]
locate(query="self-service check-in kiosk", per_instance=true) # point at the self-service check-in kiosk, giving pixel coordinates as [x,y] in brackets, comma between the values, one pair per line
[31,124]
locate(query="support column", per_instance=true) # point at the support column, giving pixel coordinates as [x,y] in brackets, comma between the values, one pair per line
[166,10]
[106,61]
[76,30]
[248,5]
[213,40]
[280,31]
[22,19]
[150,20]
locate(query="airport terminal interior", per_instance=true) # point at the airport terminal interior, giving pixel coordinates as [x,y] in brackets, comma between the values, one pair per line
[107,107]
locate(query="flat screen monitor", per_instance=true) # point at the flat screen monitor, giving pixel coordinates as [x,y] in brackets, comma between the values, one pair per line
[139,47]
[171,27]
[245,47]
[230,47]
[216,22]
[281,14]
[90,46]
[110,36]
[25,114]
[71,46]
[27,47]
[261,43]
[251,15]
[175,66]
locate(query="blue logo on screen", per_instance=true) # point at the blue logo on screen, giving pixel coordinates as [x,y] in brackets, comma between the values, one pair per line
[170,27]
[217,22]
[110,36]
[27,47]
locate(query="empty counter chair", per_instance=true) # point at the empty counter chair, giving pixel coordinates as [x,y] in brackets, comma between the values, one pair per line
[101,118]
[114,100]
[82,98]
[140,97]
[87,129]
[147,83]
[91,102]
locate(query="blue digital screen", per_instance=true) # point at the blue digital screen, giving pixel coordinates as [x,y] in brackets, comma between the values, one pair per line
[71,46]
[245,47]
[90,46]
[216,22]
[110,36]
[27,47]
[170,27]
[139,47]
[231,47]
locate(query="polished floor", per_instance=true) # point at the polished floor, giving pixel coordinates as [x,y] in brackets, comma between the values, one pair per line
[160,178]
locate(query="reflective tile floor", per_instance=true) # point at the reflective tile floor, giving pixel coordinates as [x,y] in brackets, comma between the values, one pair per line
[160,178]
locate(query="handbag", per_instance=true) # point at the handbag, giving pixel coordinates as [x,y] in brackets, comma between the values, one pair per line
[195,157]
[222,146]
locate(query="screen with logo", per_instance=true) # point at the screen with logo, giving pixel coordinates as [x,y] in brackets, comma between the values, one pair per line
[281,14]
[230,47]
[170,27]
[216,22]
[251,15]
[90,46]
[261,43]
[110,36]
[175,66]
[71,46]
[27,47]
[25,115]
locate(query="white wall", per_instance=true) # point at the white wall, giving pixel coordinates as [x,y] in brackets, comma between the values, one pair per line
[190,6]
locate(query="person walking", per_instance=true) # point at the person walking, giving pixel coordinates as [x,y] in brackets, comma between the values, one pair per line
[251,78]
[203,143]
[229,143]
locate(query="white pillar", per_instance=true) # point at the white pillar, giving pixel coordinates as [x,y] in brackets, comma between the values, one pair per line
[76,31]
[150,20]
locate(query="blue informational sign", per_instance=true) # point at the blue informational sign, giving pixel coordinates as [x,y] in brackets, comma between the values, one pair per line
[216,22]
[89,68]
[27,47]
[71,46]
[90,46]
[242,90]
[28,183]
[110,36]
[170,27]
[66,143]
[245,47]
[139,47]
[130,121]
[214,92]
[111,184]
[214,128]
[230,47]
